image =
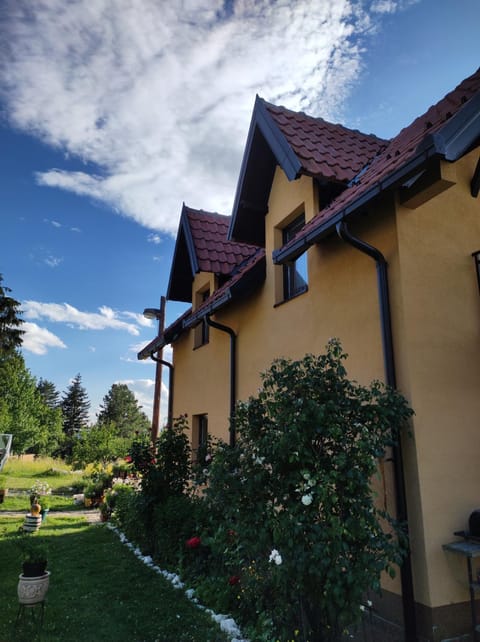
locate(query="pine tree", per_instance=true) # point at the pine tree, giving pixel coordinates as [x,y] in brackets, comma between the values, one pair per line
[10,322]
[75,406]
[49,393]
[121,408]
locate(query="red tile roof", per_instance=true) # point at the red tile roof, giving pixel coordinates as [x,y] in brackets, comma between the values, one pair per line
[326,150]
[213,251]
[399,151]
[251,267]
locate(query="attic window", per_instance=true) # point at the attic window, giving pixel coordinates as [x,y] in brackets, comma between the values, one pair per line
[295,277]
[201,332]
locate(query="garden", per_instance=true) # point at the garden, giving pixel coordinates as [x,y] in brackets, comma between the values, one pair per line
[90,593]
[281,534]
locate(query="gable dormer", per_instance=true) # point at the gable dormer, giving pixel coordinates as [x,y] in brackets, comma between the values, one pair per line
[202,247]
[330,154]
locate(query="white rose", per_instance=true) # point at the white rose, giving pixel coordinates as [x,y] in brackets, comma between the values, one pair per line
[307,499]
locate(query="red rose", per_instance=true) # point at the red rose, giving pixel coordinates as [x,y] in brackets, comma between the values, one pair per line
[193,542]
[128,459]
[234,579]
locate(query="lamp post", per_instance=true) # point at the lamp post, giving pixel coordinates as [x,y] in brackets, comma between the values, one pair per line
[159,314]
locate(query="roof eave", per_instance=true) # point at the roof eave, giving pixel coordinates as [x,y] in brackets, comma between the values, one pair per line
[283,255]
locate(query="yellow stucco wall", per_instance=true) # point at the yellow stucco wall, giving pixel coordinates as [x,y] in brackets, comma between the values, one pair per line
[441,313]
[436,326]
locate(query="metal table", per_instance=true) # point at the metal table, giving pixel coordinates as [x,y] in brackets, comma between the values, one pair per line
[470,549]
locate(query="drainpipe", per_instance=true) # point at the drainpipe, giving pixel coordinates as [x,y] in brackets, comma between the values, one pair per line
[170,386]
[233,368]
[408,598]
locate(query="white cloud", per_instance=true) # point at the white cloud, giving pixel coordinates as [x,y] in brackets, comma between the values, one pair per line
[53,261]
[52,222]
[154,238]
[106,318]
[38,340]
[159,95]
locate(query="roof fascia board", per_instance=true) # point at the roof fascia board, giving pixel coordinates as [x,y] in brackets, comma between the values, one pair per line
[243,170]
[189,242]
[304,242]
[154,346]
[460,131]
[211,308]
[183,230]
[277,142]
[281,149]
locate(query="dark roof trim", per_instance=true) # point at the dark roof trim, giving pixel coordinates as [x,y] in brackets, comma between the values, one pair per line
[208,308]
[248,281]
[297,248]
[184,234]
[168,336]
[450,142]
[459,132]
[279,146]
[286,157]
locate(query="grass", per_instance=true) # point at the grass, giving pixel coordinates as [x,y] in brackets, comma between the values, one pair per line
[23,471]
[98,591]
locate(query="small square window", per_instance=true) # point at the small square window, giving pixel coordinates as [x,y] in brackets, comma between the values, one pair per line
[295,277]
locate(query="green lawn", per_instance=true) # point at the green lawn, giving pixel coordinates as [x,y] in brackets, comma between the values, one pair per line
[98,591]
[22,472]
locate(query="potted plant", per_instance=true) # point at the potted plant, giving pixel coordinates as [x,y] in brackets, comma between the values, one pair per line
[3,488]
[33,582]
[45,504]
[34,555]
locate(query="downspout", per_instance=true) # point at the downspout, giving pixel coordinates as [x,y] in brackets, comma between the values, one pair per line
[233,369]
[170,387]
[408,598]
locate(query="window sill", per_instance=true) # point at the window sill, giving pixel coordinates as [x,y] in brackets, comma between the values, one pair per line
[295,296]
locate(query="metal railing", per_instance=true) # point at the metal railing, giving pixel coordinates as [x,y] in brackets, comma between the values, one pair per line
[5,446]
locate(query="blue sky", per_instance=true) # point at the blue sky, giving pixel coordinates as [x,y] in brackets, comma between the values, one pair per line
[114,113]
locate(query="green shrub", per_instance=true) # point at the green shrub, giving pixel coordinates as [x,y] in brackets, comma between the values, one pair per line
[175,520]
[309,539]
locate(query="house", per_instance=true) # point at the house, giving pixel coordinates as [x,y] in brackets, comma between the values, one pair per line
[338,233]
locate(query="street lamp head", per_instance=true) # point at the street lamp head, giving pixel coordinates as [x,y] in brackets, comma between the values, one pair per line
[152,313]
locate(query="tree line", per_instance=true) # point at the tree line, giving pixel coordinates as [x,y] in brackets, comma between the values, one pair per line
[44,421]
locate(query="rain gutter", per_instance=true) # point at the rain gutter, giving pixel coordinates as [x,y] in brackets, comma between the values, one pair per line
[408,597]
[233,370]
[291,252]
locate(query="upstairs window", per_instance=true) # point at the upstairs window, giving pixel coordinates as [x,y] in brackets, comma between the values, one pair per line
[295,277]
[202,335]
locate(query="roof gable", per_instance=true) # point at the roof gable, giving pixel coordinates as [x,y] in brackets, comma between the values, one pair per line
[202,246]
[300,144]
[446,130]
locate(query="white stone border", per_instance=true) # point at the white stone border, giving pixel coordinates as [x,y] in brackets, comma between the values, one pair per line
[227,624]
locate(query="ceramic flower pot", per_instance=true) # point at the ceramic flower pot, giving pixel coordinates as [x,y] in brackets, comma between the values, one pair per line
[32,590]
[32,523]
